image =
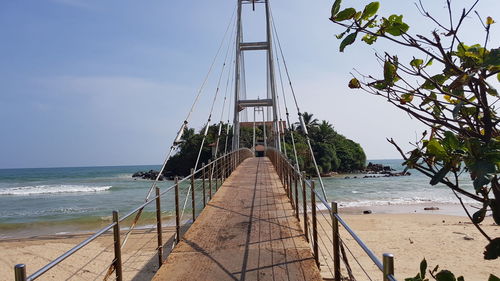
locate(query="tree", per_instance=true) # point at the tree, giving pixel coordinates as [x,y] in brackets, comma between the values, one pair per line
[309,121]
[333,151]
[181,163]
[447,86]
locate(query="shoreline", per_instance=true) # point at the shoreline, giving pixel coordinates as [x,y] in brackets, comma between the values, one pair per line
[81,227]
[448,240]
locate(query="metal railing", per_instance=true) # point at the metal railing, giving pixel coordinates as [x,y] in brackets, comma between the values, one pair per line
[299,190]
[210,178]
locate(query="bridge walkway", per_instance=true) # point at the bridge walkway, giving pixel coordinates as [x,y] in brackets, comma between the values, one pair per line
[247,232]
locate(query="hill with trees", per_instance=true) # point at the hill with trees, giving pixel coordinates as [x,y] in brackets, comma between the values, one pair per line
[333,151]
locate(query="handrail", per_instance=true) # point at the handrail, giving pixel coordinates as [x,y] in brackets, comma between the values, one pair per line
[387,269]
[20,269]
[73,250]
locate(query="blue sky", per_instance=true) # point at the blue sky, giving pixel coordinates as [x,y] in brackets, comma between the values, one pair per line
[91,82]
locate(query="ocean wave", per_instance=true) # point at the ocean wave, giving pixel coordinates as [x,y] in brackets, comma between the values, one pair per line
[395,201]
[53,189]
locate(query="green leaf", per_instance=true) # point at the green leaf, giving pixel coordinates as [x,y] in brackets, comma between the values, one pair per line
[493,278]
[397,29]
[354,84]
[369,39]
[445,275]
[431,97]
[416,63]
[489,21]
[423,268]
[498,76]
[370,10]
[335,8]
[406,98]
[394,25]
[438,79]
[493,58]
[389,72]
[429,63]
[450,141]
[345,14]
[440,175]
[434,148]
[348,41]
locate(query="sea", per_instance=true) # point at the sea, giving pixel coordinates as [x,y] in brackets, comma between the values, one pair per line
[49,201]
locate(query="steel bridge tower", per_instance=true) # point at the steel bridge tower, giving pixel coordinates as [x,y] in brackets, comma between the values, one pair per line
[240,101]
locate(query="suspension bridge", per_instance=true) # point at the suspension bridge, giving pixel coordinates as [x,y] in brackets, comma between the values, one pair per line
[250,213]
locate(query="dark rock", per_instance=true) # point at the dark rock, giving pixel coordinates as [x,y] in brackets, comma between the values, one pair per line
[149,175]
[431,208]
[366,212]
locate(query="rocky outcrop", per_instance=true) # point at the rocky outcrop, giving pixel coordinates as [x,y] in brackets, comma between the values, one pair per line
[149,175]
[377,168]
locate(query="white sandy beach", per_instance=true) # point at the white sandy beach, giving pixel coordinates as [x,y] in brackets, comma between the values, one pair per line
[450,241]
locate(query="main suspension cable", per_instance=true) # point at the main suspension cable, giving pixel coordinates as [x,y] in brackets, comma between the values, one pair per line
[301,119]
[207,125]
[287,114]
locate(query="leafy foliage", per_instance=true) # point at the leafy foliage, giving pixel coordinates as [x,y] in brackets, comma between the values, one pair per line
[333,151]
[442,275]
[181,163]
[448,86]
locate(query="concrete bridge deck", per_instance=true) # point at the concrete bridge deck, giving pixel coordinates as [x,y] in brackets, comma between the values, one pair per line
[246,232]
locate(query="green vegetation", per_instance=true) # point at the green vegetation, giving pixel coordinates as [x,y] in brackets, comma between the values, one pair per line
[333,151]
[181,163]
[442,275]
[448,86]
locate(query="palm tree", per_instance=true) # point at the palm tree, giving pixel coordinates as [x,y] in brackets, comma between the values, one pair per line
[308,121]
[325,132]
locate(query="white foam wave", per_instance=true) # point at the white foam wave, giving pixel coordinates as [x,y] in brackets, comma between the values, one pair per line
[52,189]
[398,201]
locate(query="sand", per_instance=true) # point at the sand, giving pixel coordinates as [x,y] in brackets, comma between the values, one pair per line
[450,241]
[140,261]
[410,237]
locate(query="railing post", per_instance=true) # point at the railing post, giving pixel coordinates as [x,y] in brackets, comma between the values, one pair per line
[219,177]
[158,227]
[216,171]
[314,224]
[177,214]
[193,202]
[203,175]
[388,265]
[226,168]
[295,178]
[290,183]
[304,201]
[117,246]
[20,272]
[336,242]
[222,168]
[210,173]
